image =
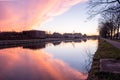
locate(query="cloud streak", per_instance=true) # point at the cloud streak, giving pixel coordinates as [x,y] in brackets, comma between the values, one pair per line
[21,15]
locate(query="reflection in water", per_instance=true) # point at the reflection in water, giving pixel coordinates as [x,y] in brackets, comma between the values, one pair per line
[24,64]
[56,43]
[57,61]
[77,54]
[35,44]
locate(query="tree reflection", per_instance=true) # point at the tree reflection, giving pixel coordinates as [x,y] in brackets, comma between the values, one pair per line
[34,44]
[89,59]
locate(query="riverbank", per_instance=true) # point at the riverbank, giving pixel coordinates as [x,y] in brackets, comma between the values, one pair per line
[105,51]
[39,43]
[117,40]
[9,42]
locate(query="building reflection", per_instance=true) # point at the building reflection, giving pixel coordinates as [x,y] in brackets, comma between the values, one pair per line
[35,45]
[38,44]
[56,42]
[26,64]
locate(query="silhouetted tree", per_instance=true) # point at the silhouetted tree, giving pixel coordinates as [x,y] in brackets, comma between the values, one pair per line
[104,29]
[110,13]
[100,6]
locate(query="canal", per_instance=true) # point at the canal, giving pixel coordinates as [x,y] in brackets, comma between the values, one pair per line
[62,60]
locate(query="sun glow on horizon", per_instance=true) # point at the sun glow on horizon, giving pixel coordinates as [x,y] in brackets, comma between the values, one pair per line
[49,15]
[74,20]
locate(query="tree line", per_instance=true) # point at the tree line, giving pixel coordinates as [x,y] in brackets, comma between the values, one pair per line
[109,22]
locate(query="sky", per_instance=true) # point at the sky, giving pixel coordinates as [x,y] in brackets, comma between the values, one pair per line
[48,15]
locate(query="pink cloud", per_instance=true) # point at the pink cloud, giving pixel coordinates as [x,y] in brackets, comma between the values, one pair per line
[21,15]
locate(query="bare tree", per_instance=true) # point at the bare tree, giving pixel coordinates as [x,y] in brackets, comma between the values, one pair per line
[117,23]
[110,13]
[104,30]
[100,6]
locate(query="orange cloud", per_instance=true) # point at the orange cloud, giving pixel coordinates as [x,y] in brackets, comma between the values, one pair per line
[35,65]
[21,15]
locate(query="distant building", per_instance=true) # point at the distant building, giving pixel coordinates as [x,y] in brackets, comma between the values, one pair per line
[34,34]
[9,35]
[70,35]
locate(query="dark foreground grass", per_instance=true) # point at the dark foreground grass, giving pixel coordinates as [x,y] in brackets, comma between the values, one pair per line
[118,40]
[105,50]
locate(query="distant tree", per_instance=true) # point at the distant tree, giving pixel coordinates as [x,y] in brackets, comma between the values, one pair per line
[84,35]
[114,20]
[105,29]
[117,23]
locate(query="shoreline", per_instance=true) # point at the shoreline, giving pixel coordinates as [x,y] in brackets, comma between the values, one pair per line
[39,43]
[36,43]
[105,51]
[38,40]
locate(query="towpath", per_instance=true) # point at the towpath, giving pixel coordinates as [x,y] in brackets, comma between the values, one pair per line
[114,43]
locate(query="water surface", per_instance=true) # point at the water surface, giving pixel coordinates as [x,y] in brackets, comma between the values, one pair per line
[52,61]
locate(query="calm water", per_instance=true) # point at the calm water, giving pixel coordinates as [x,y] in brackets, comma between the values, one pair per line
[51,61]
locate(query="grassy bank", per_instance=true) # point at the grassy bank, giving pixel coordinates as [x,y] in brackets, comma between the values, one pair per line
[118,40]
[105,50]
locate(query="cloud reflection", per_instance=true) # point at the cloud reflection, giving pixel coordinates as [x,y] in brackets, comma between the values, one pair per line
[25,64]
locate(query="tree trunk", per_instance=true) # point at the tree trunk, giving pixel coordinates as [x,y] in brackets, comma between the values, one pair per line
[118,32]
[111,34]
[114,33]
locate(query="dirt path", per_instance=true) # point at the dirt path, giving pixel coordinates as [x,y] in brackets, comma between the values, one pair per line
[114,43]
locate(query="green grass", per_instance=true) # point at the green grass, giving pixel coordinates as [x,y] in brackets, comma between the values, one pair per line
[105,50]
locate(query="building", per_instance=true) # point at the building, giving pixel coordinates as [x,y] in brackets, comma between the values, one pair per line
[70,35]
[34,34]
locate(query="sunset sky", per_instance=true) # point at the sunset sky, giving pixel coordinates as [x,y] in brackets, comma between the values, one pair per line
[49,15]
